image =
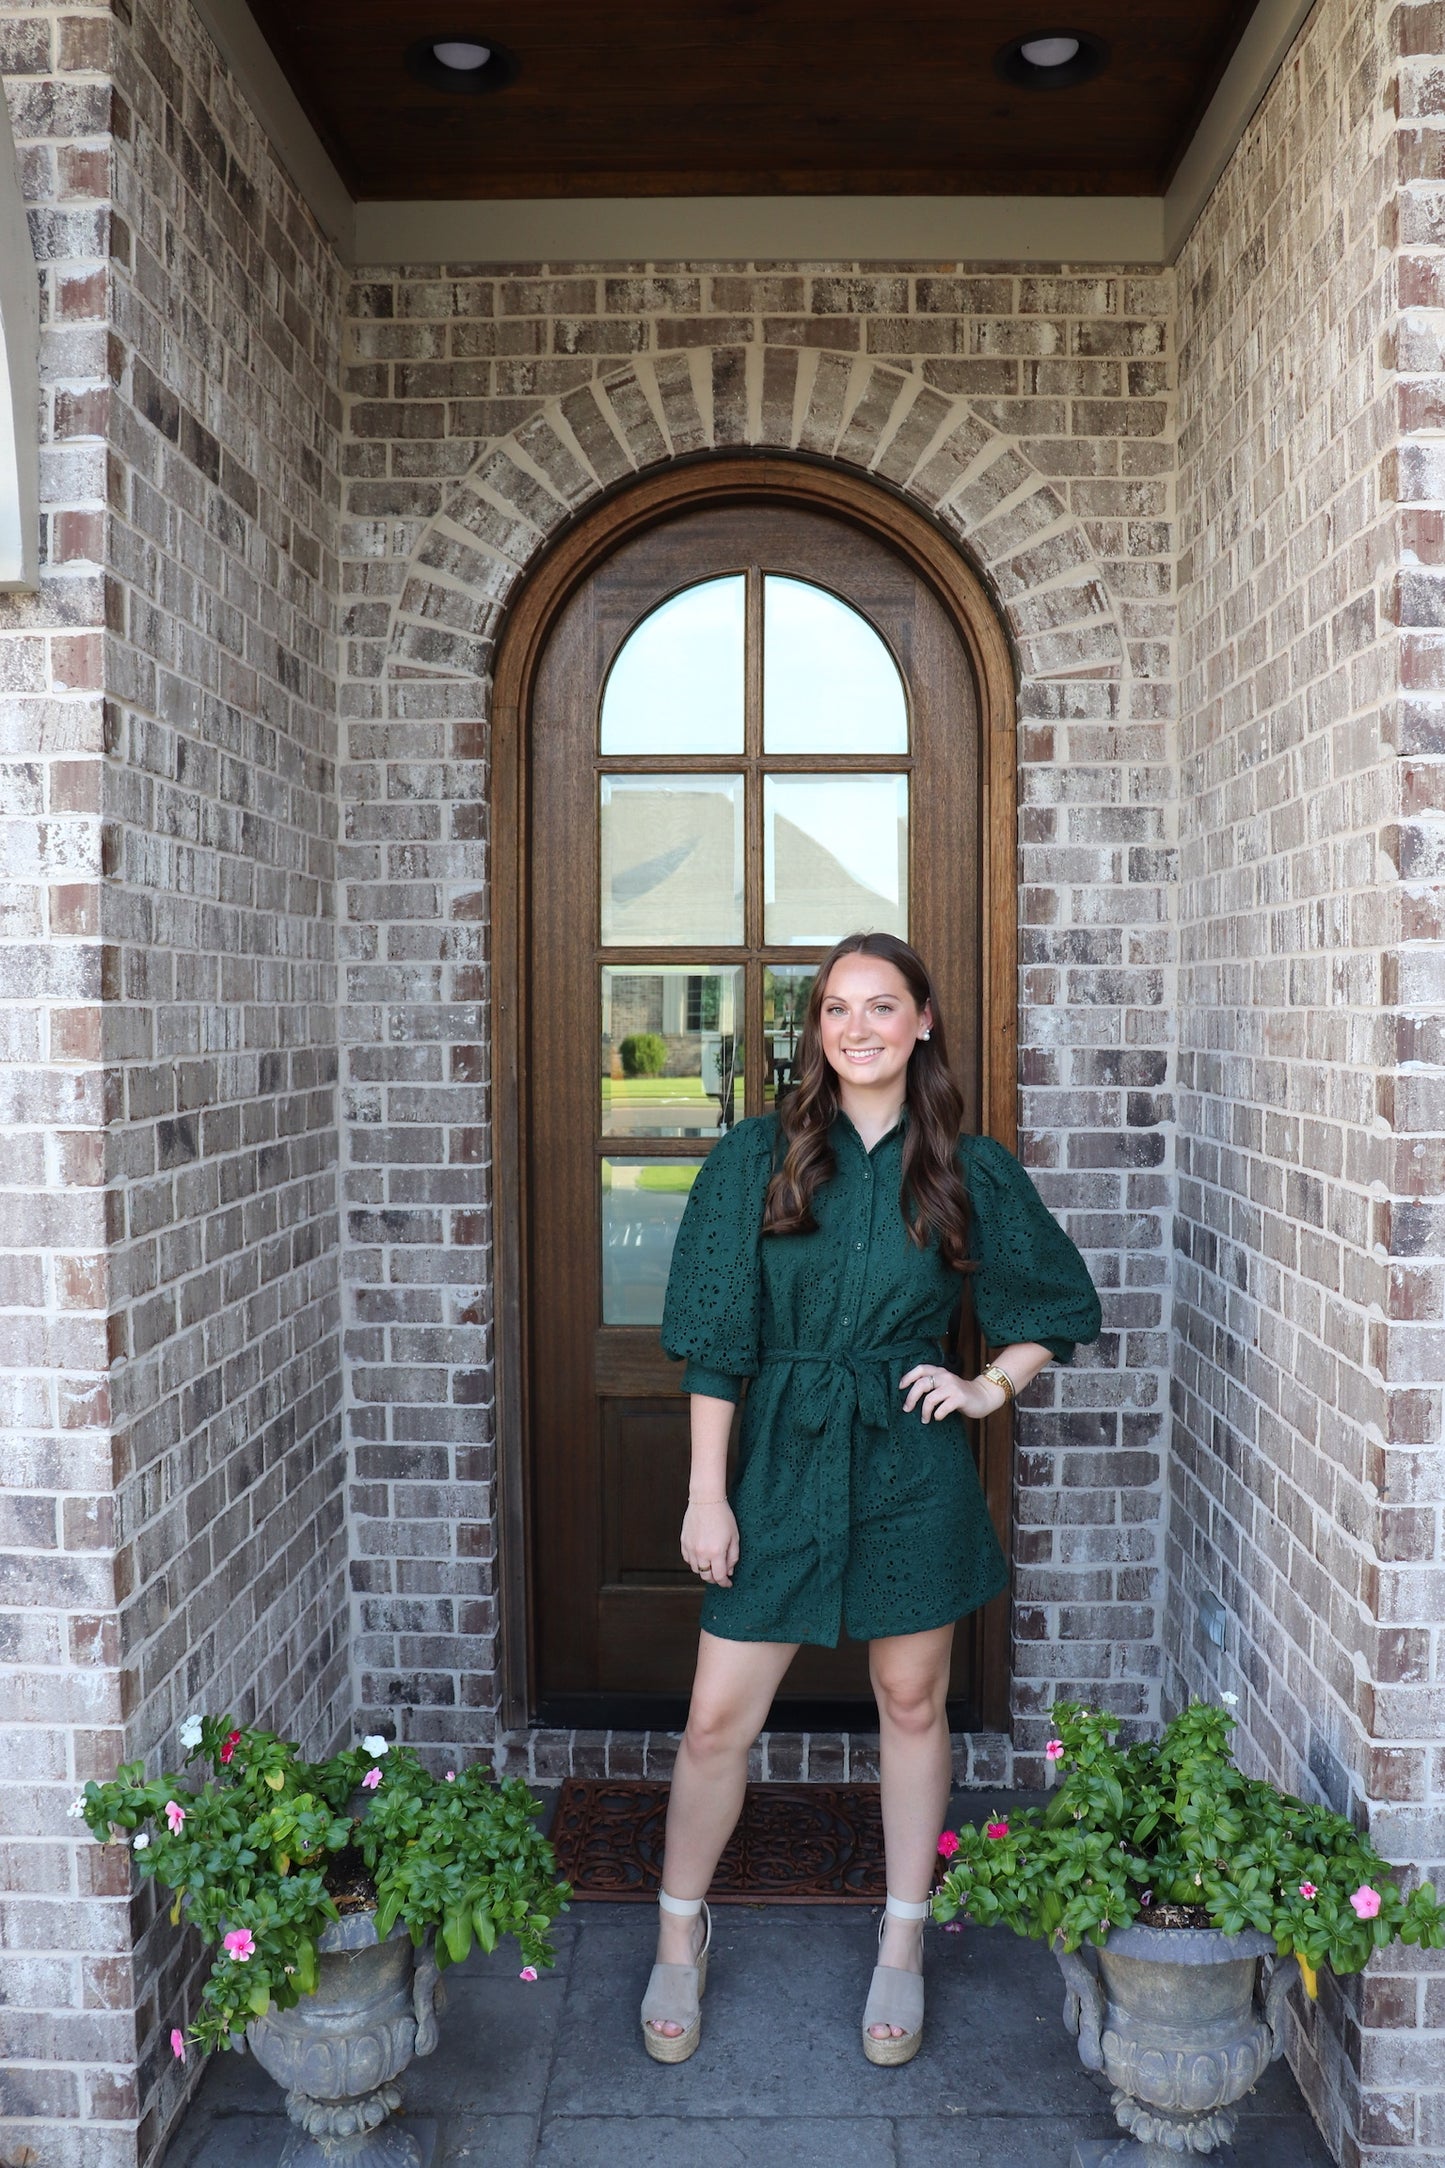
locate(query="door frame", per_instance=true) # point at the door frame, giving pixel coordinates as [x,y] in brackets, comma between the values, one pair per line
[546,588]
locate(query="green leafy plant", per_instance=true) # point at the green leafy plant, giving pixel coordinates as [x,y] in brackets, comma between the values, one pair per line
[248,1852]
[643,1053]
[1174,1822]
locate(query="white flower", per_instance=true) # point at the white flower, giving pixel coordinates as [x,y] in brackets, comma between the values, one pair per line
[375,1745]
[191,1732]
[1231,1701]
[76,1809]
[140,1842]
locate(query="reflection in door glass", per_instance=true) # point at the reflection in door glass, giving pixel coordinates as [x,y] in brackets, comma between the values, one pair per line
[835,857]
[829,683]
[672,1051]
[676,685]
[786,988]
[642,1204]
[672,860]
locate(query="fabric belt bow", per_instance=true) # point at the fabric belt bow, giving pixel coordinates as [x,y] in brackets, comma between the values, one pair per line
[864,1384]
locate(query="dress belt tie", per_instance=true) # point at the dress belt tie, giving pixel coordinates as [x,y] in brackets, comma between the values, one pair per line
[863,1385]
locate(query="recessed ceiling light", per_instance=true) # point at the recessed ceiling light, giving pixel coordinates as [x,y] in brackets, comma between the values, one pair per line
[469,66]
[1052,59]
[461,53]
[1038,52]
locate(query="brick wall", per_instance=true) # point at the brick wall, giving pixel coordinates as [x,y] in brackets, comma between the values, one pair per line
[1029,412]
[1307,1471]
[169,1358]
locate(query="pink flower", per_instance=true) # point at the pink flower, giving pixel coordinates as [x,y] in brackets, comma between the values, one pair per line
[528,1972]
[451,1776]
[1054,1751]
[953,1927]
[1307,1889]
[995,1829]
[1366,1902]
[947,1844]
[1146,1897]
[240,1943]
[175,1817]
[178,2044]
[370,1781]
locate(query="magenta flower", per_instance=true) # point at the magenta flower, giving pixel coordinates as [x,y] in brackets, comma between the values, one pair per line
[1146,1897]
[1366,1902]
[1307,1889]
[948,1844]
[370,1781]
[528,1972]
[995,1829]
[1054,1751]
[175,1817]
[240,1944]
[178,2044]
[233,1740]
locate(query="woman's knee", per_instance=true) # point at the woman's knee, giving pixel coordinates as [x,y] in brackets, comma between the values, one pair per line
[717,1729]
[912,1703]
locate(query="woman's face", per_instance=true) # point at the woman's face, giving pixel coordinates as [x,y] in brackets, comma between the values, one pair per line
[870,1023]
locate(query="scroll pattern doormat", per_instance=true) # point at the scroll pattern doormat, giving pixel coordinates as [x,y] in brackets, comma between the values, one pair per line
[794,1844]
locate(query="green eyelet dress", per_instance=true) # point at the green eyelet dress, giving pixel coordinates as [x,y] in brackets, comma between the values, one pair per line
[853,1514]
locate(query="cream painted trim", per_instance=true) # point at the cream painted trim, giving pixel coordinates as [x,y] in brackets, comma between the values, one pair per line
[19,379]
[902,229]
[816,229]
[260,77]
[1258,57]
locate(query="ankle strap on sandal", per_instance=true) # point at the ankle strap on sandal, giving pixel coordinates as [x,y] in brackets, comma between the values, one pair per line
[898,1908]
[686,1908]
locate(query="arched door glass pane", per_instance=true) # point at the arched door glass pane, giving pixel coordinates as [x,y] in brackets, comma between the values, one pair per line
[676,685]
[829,682]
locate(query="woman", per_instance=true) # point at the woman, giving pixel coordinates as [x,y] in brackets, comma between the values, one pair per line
[821,1257]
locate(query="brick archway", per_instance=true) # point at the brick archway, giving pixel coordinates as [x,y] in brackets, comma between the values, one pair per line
[975,482]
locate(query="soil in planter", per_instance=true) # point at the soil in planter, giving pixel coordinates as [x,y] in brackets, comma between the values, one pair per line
[348,1882]
[1174,1916]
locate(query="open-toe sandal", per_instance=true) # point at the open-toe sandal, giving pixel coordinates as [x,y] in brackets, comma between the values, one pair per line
[895,1997]
[674,1993]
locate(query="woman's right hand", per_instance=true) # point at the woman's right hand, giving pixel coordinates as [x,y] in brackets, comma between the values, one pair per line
[710,1542]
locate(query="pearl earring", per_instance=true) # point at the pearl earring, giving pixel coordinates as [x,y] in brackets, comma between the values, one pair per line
[926,1034]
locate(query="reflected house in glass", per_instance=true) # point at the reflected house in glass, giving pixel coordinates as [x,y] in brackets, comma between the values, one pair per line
[672,860]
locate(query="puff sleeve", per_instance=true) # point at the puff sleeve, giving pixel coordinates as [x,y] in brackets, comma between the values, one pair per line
[713,1309]
[1031,1282]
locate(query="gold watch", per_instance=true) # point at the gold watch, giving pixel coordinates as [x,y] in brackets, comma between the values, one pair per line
[1001,1378]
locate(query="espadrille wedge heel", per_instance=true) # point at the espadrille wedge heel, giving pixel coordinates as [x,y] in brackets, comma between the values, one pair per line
[674,1992]
[895,1997]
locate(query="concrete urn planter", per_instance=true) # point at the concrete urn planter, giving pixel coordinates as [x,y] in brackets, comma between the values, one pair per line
[339,2051]
[1173,2018]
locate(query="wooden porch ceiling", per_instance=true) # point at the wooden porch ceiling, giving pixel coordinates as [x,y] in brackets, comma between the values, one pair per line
[751,97]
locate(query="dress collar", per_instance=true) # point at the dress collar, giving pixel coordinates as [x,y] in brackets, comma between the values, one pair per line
[843,1126]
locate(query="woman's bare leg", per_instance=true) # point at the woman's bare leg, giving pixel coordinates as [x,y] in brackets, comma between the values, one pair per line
[732,1691]
[910,1680]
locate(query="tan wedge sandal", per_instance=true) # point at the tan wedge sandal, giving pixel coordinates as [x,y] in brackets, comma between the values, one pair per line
[674,1992]
[895,1998]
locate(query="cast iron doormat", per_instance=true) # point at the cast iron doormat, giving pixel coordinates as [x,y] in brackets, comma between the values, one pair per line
[795,1843]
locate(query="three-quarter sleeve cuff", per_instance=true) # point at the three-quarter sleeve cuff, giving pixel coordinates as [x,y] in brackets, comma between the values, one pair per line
[715,1384]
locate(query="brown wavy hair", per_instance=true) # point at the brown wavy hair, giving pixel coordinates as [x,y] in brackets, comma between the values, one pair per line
[932,1192]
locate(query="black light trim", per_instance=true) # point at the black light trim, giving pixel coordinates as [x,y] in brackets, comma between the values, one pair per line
[1090,60]
[494,74]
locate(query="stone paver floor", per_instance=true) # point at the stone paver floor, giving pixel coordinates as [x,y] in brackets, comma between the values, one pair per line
[555,2075]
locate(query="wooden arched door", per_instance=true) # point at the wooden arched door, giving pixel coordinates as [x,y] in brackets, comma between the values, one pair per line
[750,725]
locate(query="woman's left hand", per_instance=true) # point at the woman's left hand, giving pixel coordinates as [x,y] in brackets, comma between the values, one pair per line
[937,1392]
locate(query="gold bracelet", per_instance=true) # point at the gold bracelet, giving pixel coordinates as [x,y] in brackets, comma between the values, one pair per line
[999,1377]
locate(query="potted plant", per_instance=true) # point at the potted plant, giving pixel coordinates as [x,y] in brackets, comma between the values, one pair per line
[335,1892]
[1180,1874]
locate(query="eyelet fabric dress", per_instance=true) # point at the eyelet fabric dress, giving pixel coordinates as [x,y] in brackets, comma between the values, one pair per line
[853,1514]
